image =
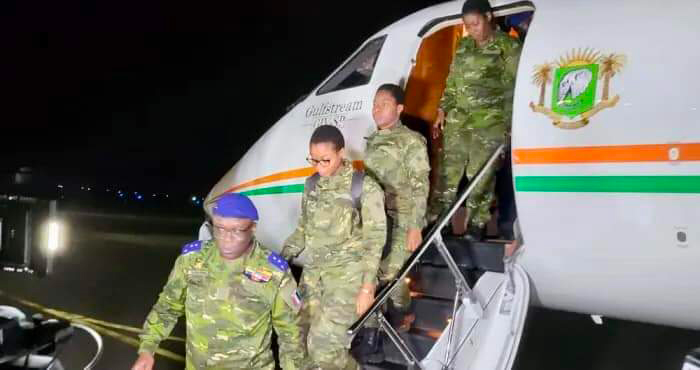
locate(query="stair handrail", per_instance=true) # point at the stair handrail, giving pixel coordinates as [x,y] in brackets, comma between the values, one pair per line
[434,234]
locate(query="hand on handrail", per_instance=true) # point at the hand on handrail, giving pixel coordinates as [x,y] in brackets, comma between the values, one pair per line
[365,298]
[374,304]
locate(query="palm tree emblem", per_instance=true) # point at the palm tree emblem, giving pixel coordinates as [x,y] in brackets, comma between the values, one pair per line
[574,86]
[610,65]
[541,77]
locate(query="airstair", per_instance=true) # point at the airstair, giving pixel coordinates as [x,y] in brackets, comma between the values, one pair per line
[469,299]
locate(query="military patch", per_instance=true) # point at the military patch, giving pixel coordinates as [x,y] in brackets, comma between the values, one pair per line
[265,273]
[277,261]
[196,277]
[296,299]
[260,275]
[192,247]
[291,295]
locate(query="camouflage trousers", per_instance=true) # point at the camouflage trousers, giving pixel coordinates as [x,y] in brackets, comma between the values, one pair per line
[234,357]
[330,295]
[465,151]
[190,365]
[389,268]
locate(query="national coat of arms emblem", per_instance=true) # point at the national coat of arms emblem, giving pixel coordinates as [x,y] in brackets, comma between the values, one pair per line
[574,78]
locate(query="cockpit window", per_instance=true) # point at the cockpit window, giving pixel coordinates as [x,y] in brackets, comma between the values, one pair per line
[358,71]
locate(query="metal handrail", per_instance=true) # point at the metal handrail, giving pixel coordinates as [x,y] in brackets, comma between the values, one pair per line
[427,242]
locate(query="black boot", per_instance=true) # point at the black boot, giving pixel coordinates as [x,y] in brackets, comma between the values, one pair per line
[475,233]
[401,318]
[372,345]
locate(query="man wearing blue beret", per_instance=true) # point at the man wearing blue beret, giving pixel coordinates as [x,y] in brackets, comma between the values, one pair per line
[232,291]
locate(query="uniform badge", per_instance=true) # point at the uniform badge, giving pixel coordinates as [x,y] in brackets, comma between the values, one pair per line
[260,275]
[296,299]
[195,276]
[574,80]
[277,261]
[192,247]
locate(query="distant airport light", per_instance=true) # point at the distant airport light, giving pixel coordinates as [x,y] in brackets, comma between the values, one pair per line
[60,186]
[54,236]
[597,319]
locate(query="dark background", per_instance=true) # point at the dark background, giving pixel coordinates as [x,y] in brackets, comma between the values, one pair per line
[160,99]
[160,95]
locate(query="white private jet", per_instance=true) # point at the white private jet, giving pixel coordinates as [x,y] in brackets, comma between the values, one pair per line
[606,169]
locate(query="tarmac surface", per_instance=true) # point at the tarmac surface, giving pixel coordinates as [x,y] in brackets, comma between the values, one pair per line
[115,266]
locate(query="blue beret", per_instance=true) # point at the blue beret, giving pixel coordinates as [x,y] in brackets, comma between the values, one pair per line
[235,205]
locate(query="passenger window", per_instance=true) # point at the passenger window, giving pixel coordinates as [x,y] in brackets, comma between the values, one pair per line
[356,72]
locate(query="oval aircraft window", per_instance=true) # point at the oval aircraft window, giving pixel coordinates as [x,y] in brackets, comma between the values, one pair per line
[357,71]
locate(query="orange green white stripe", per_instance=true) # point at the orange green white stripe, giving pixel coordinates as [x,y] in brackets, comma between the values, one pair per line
[288,182]
[645,153]
[608,154]
[285,176]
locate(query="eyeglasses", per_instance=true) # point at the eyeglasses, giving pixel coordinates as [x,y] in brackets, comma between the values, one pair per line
[222,232]
[316,162]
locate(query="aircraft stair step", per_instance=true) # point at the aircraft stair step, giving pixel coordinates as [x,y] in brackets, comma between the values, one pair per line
[437,281]
[384,366]
[420,341]
[431,313]
[485,255]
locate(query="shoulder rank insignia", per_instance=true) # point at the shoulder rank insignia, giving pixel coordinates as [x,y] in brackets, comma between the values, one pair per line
[277,261]
[192,247]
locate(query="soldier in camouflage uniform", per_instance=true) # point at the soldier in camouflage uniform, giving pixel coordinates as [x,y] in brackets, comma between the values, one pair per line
[232,291]
[477,107]
[397,158]
[344,244]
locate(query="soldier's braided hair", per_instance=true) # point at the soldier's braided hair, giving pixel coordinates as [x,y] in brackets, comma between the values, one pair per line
[395,90]
[328,134]
[482,7]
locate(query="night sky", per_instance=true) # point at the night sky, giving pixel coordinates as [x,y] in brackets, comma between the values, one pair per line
[160,93]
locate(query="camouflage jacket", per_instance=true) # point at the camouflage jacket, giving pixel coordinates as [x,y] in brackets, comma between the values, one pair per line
[397,158]
[481,80]
[334,232]
[230,308]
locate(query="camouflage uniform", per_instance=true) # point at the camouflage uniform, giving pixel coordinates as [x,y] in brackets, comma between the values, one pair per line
[397,158]
[478,102]
[344,245]
[230,309]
